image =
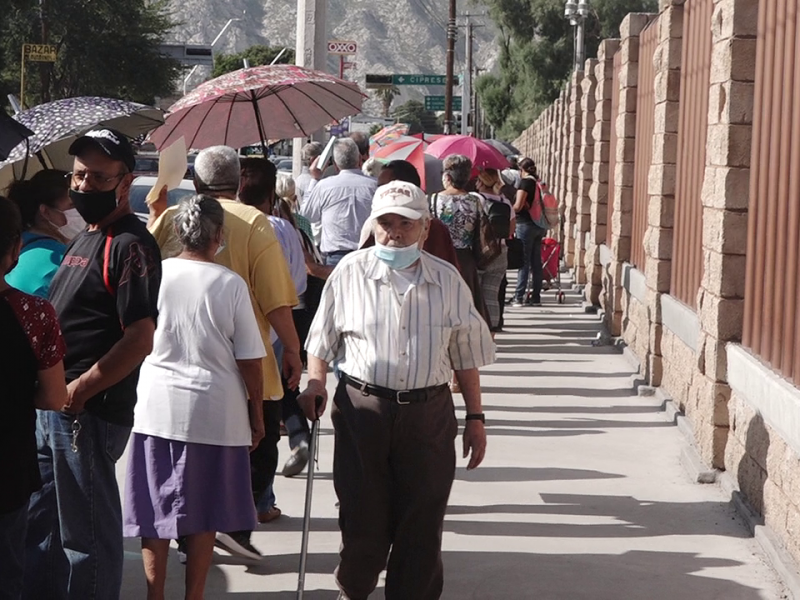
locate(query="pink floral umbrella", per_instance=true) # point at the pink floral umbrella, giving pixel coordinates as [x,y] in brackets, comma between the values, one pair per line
[259,103]
[482,155]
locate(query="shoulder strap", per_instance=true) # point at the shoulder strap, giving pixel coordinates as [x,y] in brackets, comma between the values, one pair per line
[106,260]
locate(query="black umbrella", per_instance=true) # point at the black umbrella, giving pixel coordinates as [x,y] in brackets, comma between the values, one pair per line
[12,133]
[505,148]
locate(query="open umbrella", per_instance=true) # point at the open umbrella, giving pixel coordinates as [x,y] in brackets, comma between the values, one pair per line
[482,155]
[12,133]
[387,135]
[253,105]
[410,149]
[505,148]
[57,124]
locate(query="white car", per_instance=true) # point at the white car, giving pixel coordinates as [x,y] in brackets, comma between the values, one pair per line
[141,187]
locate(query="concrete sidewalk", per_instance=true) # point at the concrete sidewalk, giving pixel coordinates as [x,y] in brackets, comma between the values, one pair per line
[581,496]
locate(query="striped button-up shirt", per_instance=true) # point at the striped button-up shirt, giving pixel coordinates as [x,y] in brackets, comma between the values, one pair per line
[399,341]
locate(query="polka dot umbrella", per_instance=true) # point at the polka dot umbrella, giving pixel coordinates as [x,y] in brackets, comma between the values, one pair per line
[56,124]
[256,104]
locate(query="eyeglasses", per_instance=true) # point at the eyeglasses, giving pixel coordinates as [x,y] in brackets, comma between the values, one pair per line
[100,179]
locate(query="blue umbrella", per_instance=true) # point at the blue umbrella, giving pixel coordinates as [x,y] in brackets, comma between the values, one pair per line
[57,124]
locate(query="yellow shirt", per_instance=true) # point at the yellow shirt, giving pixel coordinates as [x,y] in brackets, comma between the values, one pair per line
[252,251]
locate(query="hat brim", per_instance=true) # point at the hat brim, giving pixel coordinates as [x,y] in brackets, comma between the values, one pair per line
[403,211]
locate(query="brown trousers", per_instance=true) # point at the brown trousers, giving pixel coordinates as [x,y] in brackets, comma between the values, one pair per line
[393,468]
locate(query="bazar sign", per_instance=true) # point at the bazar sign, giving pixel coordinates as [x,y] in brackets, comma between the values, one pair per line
[40,52]
[343,47]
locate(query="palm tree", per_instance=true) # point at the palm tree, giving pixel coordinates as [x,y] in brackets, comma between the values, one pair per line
[387,95]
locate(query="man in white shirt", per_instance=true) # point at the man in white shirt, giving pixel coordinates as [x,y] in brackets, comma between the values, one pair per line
[395,321]
[340,203]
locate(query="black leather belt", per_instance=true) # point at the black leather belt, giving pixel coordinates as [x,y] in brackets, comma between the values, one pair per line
[399,396]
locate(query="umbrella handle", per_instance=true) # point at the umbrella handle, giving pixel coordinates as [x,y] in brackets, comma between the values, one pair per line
[312,451]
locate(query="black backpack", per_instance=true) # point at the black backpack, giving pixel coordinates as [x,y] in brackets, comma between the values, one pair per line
[499,217]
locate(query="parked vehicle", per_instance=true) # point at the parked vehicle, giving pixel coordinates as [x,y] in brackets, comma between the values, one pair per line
[141,187]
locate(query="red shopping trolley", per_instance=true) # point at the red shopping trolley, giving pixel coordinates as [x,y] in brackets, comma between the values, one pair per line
[551,270]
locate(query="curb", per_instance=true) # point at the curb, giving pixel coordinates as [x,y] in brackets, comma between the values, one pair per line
[775,553]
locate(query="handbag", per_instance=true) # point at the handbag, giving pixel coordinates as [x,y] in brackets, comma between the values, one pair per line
[516,254]
[486,247]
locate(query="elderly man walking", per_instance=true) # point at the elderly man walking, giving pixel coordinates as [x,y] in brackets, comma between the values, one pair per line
[396,320]
[340,203]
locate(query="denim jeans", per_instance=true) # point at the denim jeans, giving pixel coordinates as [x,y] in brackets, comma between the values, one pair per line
[74,542]
[334,258]
[531,236]
[13,526]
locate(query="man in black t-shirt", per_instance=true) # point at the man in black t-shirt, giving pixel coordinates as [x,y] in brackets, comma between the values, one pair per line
[105,294]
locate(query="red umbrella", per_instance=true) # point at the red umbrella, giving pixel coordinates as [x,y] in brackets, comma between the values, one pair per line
[406,148]
[252,105]
[482,155]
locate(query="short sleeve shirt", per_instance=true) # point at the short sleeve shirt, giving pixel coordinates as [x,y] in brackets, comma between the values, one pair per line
[32,342]
[38,263]
[460,213]
[529,186]
[190,389]
[108,280]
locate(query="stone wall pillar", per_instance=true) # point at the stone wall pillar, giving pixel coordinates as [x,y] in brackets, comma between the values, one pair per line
[583,204]
[725,203]
[575,120]
[625,123]
[598,190]
[658,240]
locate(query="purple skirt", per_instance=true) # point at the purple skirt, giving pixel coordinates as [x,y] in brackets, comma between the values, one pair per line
[175,488]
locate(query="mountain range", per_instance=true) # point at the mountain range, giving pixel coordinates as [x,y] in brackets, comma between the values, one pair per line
[408,36]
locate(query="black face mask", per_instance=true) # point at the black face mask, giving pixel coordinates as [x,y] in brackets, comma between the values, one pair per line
[94,206]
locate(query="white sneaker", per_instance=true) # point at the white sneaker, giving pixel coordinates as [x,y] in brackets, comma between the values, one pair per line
[237,547]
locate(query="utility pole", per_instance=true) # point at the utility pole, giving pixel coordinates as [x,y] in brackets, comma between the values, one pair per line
[451,54]
[44,67]
[466,86]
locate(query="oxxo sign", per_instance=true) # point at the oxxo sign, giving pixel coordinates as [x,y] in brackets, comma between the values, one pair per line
[342,47]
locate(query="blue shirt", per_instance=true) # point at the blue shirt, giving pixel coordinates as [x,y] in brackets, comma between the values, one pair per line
[38,262]
[342,204]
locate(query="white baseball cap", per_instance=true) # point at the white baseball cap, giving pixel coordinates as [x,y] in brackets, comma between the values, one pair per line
[400,198]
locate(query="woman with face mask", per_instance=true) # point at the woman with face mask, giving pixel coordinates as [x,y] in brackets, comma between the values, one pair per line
[49,222]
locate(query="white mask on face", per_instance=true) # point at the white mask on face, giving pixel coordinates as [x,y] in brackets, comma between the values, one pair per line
[75,224]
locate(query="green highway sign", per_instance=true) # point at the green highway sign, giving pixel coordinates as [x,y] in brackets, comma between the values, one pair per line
[435,103]
[419,79]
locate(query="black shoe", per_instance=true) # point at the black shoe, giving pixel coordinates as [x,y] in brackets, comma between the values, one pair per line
[238,544]
[182,550]
[297,461]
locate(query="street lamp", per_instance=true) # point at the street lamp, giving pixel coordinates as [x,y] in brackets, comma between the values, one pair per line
[577,13]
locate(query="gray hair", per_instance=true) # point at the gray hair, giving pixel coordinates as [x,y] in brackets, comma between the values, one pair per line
[346,154]
[217,169]
[310,151]
[285,188]
[457,168]
[198,221]
[372,167]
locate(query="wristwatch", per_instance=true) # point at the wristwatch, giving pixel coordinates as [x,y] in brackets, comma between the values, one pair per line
[476,417]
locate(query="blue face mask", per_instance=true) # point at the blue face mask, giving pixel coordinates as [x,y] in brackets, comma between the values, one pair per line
[397,258]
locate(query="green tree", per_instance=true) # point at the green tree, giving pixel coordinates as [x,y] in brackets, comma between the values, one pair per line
[105,48]
[536,55]
[387,95]
[255,56]
[418,119]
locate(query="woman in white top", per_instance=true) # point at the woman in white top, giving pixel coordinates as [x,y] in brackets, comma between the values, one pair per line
[189,470]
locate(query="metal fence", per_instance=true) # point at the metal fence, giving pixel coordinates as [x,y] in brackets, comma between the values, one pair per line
[772,292]
[645,128]
[612,153]
[687,252]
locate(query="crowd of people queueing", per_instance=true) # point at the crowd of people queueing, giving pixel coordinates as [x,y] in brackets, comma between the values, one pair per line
[184,340]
